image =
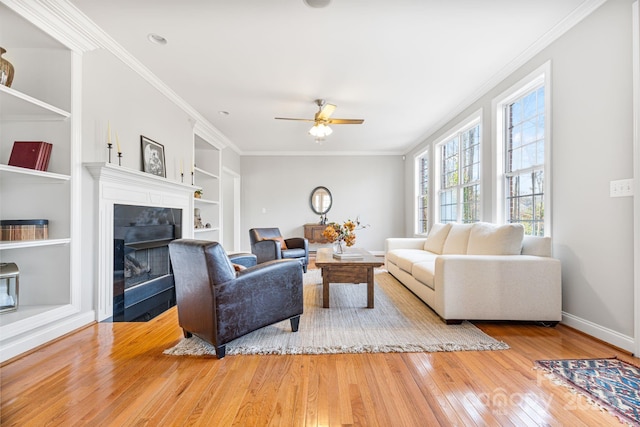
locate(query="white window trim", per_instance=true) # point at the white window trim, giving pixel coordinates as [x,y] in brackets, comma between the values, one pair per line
[416,186]
[542,75]
[472,120]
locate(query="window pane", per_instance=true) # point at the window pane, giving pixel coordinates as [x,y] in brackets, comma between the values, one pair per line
[529,105]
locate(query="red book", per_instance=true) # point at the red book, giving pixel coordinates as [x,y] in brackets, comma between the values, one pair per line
[30,154]
[43,160]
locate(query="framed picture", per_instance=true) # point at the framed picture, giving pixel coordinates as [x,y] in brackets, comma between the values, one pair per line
[152,157]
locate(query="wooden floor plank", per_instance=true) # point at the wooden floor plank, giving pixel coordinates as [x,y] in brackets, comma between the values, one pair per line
[116,374]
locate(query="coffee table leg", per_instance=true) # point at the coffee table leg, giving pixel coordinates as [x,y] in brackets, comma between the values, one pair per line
[369,287]
[325,289]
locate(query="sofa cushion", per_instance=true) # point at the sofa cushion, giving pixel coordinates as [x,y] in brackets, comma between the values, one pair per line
[536,245]
[423,272]
[405,258]
[457,239]
[436,238]
[492,239]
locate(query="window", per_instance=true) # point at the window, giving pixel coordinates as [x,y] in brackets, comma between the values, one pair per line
[524,168]
[523,149]
[459,186]
[422,202]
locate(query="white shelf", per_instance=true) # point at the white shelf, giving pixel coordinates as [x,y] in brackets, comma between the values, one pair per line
[206,201]
[21,244]
[204,230]
[14,171]
[28,317]
[17,106]
[204,172]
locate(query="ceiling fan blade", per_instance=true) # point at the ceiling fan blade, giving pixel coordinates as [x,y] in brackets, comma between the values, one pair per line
[325,112]
[345,121]
[301,120]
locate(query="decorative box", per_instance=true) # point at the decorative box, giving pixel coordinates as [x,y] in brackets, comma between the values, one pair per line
[24,229]
[9,274]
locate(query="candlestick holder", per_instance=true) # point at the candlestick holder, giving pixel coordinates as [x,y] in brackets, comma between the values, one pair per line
[109,147]
[119,158]
[182,177]
[192,179]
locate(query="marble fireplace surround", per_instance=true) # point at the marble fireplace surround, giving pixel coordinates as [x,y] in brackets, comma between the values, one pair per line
[119,185]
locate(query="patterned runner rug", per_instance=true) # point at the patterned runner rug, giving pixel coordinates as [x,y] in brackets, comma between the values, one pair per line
[400,322]
[610,383]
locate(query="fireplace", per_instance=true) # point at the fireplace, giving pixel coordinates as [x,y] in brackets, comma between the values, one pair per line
[143,284]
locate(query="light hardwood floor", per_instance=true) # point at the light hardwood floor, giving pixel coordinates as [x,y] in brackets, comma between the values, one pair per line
[115,374]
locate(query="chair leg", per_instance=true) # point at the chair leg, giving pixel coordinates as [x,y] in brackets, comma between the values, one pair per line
[295,322]
[186,333]
[220,351]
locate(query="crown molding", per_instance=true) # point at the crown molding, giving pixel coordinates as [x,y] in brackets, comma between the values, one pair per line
[69,25]
[61,22]
[585,9]
[323,153]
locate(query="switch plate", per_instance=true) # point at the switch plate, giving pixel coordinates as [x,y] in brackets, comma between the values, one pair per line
[621,188]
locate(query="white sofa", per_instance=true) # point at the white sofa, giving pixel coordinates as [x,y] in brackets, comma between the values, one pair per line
[480,271]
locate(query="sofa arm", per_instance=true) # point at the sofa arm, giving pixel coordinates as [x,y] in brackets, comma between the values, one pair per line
[245,259]
[404,243]
[497,287]
[267,250]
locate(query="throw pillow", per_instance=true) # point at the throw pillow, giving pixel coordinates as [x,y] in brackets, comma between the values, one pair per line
[283,245]
[436,237]
[238,267]
[491,239]
[457,239]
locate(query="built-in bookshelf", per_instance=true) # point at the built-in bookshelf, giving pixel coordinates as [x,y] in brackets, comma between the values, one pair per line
[40,106]
[207,169]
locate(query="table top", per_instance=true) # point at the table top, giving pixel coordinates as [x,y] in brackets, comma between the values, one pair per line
[324,258]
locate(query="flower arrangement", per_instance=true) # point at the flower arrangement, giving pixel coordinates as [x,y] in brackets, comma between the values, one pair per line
[343,232]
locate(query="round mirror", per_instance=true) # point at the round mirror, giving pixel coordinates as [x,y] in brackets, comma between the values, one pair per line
[321,200]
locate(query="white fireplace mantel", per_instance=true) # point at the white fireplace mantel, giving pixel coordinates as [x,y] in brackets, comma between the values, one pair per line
[118,185]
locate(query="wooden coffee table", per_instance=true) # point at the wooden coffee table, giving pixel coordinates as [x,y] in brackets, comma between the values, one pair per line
[347,270]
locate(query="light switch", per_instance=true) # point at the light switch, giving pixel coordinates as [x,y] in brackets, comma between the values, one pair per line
[621,188]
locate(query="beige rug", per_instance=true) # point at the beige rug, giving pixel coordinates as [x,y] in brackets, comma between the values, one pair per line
[400,322]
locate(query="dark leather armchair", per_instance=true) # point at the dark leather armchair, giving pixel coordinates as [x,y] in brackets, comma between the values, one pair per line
[266,244]
[219,304]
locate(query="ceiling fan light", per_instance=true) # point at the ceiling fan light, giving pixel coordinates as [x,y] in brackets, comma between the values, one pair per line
[320,130]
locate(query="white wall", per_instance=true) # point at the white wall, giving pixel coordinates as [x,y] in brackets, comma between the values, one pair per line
[592,144]
[367,186]
[113,92]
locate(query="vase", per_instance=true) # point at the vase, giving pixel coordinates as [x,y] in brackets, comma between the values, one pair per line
[6,70]
[338,247]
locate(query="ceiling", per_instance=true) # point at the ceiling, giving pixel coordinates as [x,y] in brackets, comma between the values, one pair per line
[404,66]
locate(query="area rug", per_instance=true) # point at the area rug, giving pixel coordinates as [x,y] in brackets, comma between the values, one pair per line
[400,322]
[610,383]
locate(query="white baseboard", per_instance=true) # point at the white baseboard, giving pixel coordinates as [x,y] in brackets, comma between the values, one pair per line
[38,337]
[605,334]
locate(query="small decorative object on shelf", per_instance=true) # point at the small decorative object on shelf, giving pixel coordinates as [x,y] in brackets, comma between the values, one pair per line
[109,144]
[24,229]
[119,150]
[6,70]
[197,194]
[152,157]
[31,155]
[9,282]
[197,220]
[342,234]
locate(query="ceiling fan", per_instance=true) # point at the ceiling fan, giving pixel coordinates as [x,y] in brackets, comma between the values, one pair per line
[322,119]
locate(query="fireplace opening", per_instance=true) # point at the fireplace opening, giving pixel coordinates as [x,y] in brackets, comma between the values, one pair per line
[143,285]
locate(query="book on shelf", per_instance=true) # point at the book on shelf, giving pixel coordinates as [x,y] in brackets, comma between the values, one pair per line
[31,155]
